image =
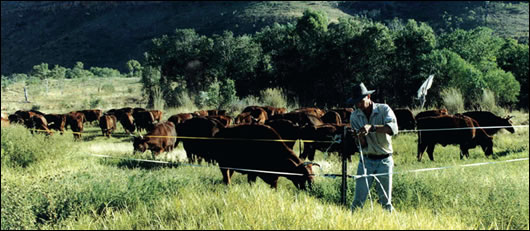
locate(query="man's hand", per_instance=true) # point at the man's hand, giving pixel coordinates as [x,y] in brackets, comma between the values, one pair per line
[364,130]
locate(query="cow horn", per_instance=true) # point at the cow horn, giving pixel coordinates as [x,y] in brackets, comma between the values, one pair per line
[313,163]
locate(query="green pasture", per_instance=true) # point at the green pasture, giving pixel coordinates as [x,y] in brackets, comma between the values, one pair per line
[55,183]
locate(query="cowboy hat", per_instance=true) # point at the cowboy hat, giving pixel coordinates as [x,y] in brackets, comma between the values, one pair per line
[358,93]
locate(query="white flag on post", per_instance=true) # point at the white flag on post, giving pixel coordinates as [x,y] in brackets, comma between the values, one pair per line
[422,92]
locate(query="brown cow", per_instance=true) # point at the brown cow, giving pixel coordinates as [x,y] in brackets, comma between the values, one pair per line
[157,115]
[344,113]
[257,115]
[215,112]
[326,138]
[437,112]
[488,119]
[331,117]
[238,154]
[225,120]
[311,111]
[107,123]
[39,123]
[75,120]
[91,115]
[195,133]
[301,118]
[56,122]
[405,119]
[124,116]
[244,118]
[201,113]
[33,120]
[457,129]
[162,138]
[5,119]
[269,109]
[287,129]
[181,117]
[143,120]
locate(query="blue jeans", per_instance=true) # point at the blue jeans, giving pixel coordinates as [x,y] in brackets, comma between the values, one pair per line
[385,165]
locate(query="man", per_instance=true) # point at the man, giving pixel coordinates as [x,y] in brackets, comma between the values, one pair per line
[374,124]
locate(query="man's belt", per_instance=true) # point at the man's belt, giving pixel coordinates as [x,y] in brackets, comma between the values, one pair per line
[377,157]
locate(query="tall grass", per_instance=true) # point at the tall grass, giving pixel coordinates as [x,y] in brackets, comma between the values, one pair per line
[453,100]
[273,97]
[70,190]
[52,183]
[158,98]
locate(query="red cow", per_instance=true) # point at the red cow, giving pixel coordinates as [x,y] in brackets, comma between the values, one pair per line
[75,120]
[181,117]
[162,138]
[107,123]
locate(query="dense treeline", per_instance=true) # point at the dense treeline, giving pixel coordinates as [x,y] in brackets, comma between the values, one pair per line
[317,62]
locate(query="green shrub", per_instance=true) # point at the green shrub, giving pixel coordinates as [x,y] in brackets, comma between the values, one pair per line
[273,97]
[16,207]
[21,148]
[108,87]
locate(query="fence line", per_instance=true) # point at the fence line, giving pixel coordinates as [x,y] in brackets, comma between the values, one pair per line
[330,175]
[305,141]
[466,128]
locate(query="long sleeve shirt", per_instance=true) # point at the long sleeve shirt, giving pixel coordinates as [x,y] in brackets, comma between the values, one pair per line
[378,143]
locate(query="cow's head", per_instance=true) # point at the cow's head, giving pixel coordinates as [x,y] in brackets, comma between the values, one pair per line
[139,144]
[509,124]
[308,176]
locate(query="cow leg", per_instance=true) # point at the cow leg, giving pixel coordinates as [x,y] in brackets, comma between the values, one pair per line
[464,151]
[309,152]
[430,151]
[421,149]
[271,180]
[251,178]
[226,175]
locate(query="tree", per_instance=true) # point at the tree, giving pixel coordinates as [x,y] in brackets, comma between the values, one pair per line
[411,42]
[474,46]
[40,71]
[78,71]
[134,67]
[58,72]
[513,57]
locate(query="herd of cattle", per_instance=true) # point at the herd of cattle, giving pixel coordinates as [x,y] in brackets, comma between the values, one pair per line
[263,137]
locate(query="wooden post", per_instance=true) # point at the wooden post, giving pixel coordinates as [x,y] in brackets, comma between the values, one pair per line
[26,94]
[344,169]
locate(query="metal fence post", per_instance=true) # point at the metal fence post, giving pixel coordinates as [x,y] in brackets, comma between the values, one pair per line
[344,169]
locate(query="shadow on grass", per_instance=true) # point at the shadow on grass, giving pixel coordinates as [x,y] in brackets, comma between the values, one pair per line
[132,164]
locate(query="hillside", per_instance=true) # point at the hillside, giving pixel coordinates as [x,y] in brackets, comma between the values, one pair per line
[108,34]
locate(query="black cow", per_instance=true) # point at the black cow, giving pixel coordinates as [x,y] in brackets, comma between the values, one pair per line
[405,119]
[237,153]
[488,119]
[455,129]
